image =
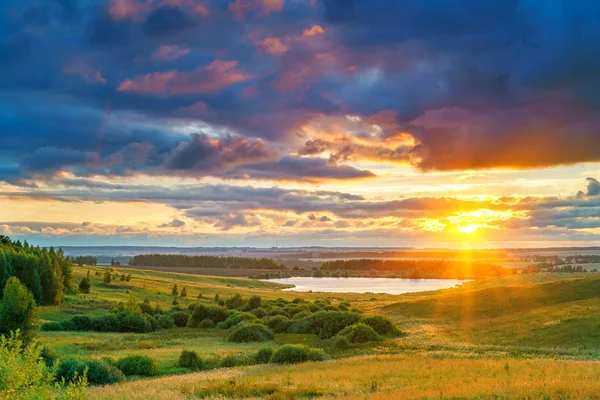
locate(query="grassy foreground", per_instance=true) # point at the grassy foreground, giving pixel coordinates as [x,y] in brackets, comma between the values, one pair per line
[520,336]
[379,377]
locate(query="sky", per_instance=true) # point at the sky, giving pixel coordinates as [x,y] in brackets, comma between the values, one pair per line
[420,123]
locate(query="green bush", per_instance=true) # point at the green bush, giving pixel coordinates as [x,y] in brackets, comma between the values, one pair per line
[202,312]
[314,307]
[360,333]
[381,325]
[235,302]
[326,324]
[138,365]
[300,315]
[341,342]
[98,372]
[166,321]
[237,317]
[278,323]
[49,356]
[23,374]
[120,322]
[230,361]
[181,319]
[190,359]
[206,324]
[278,311]
[296,353]
[259,312]
[244,332]
[263,356]
[52,326]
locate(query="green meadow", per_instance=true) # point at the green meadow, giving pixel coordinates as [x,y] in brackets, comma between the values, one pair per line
[518,336]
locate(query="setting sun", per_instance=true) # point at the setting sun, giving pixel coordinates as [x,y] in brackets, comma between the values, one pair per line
[468,229]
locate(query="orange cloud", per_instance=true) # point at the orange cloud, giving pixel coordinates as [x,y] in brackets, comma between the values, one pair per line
[212,78]
[120,9]
[169,53]
[265,7]
[272,45]
[82,69]
[316,30]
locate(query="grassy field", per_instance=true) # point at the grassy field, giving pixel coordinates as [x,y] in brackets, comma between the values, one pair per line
[519,336]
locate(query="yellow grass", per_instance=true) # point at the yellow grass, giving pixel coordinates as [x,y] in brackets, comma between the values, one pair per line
[378,377]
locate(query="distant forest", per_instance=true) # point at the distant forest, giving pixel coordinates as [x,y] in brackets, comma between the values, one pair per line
[421,268]
[47,273]
[179,260]
[85,260]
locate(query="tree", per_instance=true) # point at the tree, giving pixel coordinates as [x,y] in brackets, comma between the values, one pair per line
[36,287]
[175,302]
[200,295]
[26,376]
[107,278]
[217,298]
[52,282]
[184,292]
[175,291]
[123,278]
[4,271]
[128,277]
[18,310]
[84,285]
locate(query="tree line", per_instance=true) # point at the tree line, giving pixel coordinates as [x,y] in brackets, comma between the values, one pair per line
[447,269]
[47,273]
[179,260]
[85,260]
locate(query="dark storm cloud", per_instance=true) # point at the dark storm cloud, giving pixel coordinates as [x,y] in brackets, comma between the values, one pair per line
[476,84]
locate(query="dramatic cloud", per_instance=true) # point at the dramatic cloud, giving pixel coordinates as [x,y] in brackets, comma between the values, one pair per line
[378,97]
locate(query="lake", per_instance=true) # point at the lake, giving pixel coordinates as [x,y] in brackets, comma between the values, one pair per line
[367,285]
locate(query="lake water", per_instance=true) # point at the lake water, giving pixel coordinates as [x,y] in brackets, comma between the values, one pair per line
[367,285]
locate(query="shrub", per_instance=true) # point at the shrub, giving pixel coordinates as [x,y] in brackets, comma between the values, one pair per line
[235,302]
[244,332]
[138,365]
[237,317]
[314,307]
[131,322]
[300,315]
[381,325]
[278,323]
[216,313]
[49,356]
[25,376]
[181,319]
[108,323]
[166,321]
[52,326]
[230,361]
[278,311]
[263,356]
[192,306]
[18,310]
[326,324]
[254,302]
[296,353]
[206,324]
[341,342]
[190,359]
[360,333]
[259,312]
[98,372]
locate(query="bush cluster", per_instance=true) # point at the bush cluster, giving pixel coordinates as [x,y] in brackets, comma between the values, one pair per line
[296,353]
[138,365]
[191,360]
[249,332]
[360,333]
[98,372]
[120,322]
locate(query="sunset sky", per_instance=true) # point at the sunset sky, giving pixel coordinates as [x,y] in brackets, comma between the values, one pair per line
[427,123]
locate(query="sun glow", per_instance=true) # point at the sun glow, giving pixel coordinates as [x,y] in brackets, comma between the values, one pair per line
[468,229]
